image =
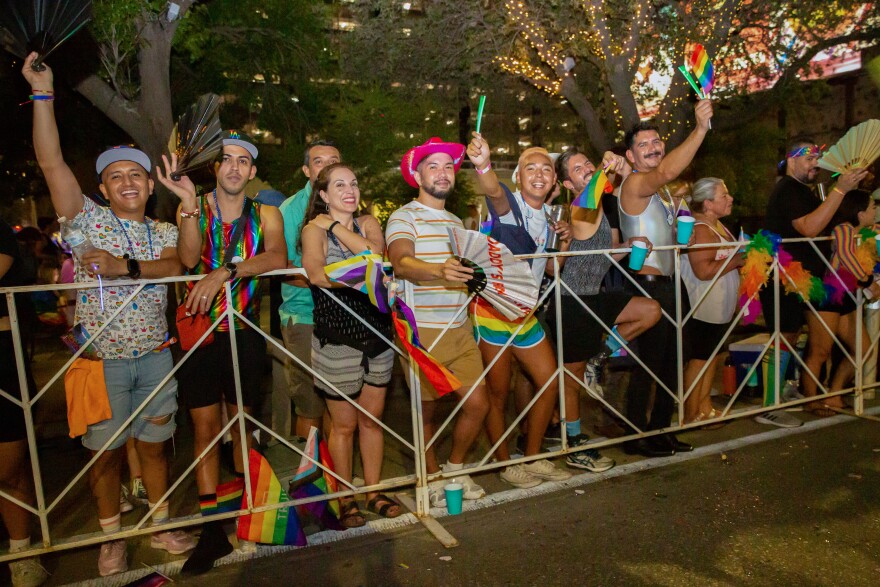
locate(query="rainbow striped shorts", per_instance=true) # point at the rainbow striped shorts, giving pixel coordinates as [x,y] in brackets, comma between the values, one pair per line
[491,326]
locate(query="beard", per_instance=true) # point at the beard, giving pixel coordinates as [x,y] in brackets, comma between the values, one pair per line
[438,193]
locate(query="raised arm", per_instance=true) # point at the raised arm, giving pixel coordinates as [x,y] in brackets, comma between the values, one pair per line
[189,241]
[479,154]
[645,184]
[816,221]
[67,197]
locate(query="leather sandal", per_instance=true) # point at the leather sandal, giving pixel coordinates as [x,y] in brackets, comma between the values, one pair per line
[384,506]
[350,515]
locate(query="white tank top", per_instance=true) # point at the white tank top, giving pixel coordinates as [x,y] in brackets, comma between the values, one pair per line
[719,305]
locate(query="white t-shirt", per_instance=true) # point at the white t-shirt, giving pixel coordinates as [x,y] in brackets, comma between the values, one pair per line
[141,326]
[536,225]
[434,303]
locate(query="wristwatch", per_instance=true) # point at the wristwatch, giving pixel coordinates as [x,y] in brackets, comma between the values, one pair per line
[232,268]
[134,268]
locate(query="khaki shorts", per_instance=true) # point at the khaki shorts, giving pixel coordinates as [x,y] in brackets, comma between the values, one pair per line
[457,351]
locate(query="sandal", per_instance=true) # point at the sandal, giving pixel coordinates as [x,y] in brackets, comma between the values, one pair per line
[820,410]
[384,506]
[350,515]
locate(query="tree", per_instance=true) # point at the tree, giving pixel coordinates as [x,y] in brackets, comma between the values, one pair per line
[608,58]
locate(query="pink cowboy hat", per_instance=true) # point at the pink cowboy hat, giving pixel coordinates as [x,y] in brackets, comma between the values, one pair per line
[434,145]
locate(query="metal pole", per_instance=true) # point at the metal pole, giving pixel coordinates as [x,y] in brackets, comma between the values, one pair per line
[236,375]
[423,503]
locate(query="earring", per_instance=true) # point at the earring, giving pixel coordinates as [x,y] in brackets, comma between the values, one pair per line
[326,206]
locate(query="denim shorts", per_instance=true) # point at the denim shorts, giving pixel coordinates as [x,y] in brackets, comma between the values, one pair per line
[129,383]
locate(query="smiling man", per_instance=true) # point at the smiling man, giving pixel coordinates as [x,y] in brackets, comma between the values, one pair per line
[644,212]
[133,346]
[208,227]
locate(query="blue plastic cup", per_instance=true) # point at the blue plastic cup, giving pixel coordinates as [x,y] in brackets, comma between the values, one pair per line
[685,229]
[637,255]
[454,495]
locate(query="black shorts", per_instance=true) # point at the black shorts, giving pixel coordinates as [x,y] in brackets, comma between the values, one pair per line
[702,338]
[12,425]
[791,309]
[581,334]
[207,376]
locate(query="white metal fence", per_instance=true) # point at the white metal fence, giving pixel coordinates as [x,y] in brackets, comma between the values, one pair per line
[54,540]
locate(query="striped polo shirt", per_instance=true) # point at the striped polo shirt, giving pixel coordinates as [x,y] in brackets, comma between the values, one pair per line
[435,302]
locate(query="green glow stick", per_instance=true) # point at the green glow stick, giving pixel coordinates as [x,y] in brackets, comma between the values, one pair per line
[480,111]
[691,81]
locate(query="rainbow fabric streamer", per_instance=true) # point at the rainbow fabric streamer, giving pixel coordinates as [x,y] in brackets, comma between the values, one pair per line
[443,380]
[755,273]
[365,273]
[152,580]
[589,198]
[312,481]
[702,69]
[279,526]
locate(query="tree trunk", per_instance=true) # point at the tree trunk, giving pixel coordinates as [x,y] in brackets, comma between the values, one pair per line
[595,131]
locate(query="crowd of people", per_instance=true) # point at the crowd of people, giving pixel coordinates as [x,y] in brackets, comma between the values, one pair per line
[229,239]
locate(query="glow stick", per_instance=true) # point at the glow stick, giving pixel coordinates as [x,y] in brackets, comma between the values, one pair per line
[480,112]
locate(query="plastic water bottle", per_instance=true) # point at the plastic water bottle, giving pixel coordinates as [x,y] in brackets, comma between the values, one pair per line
[78,241]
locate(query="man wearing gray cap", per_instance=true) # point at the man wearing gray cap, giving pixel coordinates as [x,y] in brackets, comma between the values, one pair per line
[133,346]
[226,237]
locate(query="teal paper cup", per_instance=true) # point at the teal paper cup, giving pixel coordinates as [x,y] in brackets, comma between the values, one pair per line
[454,495]
[877,242]
[637,255]
[685,229]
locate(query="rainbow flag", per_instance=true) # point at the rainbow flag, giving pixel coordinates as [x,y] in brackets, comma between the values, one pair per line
[443,380]
[280,526]
[152,580]
[702,69]
[486,227]
[365,273]
[310,481]
[589,198]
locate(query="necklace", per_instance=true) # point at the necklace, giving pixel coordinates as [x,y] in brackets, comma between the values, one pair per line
[217,206]
[128,238]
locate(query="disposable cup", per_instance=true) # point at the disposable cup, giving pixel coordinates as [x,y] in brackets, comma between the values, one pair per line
[637,255]
[685,228]
[877,242]
[454,494]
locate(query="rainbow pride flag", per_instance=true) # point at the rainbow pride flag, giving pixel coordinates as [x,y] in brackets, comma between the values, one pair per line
[486,227]
[365,273]
[701,67]
[312,481]
[443,380]
[589,198]
[279,526]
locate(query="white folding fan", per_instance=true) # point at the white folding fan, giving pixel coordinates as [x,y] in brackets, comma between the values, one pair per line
[500,278]
[858,148]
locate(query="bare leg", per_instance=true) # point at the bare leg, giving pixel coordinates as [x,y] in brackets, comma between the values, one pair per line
[341,443]
[232,410]
[430,429]
[573,390]
[155,468]
[206,423]
[104,478]
[370,434]
[819,347]
[498,384]
[637,316]
[303,425]
[539,362]
[470,422]
[15,479]
[692,405]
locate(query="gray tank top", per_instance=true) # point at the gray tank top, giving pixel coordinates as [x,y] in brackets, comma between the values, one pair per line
[584,273]
[655,223]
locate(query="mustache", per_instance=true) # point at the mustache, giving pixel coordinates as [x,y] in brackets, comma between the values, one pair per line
[653,154]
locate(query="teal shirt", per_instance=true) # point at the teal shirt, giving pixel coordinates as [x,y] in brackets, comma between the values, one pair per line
[297,302]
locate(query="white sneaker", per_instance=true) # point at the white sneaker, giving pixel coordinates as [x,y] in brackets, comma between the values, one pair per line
[173,541]
[138,492]
[28,573]
[546,470]
[113,558]
[125,505]
[517,476]
[246,546]
[436,493]
[471,489]
[778,418]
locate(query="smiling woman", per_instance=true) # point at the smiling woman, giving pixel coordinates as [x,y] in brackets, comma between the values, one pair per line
[354,363]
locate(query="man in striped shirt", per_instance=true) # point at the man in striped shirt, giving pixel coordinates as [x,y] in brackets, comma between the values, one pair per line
[420,252]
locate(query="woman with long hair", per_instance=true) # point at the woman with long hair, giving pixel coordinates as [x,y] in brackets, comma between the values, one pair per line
[345,352]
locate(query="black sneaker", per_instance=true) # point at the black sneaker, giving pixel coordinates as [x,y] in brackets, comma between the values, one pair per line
[553,432]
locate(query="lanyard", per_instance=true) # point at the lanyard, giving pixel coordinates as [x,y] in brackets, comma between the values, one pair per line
[217,206]
[127,238]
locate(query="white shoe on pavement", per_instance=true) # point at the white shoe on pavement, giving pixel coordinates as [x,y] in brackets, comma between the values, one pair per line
[174,541]
[778,418]
[471,489]
[28,573]
[517,476]
[436,493]
[113,558]
[125,504]
[546,471]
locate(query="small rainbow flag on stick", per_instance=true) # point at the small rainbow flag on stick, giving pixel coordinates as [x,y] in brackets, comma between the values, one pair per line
[589,198]
[702,69]
[279,526]
[440,377]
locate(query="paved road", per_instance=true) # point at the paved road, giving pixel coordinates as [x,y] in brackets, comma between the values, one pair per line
[800,509]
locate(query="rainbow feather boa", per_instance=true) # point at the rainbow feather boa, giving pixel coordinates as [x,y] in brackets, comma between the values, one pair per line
[755,273]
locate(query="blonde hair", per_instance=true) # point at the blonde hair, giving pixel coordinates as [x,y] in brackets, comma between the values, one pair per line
[673,187]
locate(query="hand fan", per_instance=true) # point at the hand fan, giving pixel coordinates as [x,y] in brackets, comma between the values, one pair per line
[503,280]
[42,25]
[858,148]
[196,138]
